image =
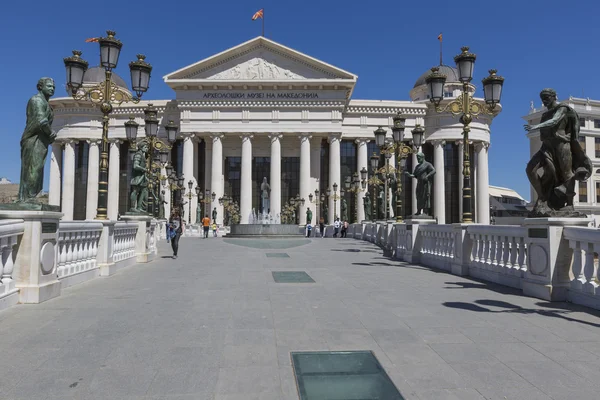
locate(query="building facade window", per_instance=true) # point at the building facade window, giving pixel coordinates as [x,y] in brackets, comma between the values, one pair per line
[451,178]
[598,192]
[81,176]
[233,170]
[597,147]
[124,176]
[201,165]
[582,122]
[583,195]
[324,181]
[290,179]
[348,168]
[261,168]
[597,123]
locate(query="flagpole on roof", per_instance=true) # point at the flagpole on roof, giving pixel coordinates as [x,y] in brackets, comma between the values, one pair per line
[440,39]
[263,23]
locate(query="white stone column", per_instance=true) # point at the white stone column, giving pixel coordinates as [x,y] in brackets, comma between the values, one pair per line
[335,175]
[246,179]
[413,182]
[461,155]
[114,165]
[188,175]
[439,198]
[68,196]
[91,202]
[304,169]
[391,204]
[483,184]
[216,178]
[362,161]
[275,178]
[55,174]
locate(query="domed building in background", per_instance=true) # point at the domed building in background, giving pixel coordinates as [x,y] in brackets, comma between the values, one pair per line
[263,110]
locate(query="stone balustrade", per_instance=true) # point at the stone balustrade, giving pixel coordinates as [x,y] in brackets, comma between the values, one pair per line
[77,251]
[563,264]
[584,287]
[10,230]
[124,241]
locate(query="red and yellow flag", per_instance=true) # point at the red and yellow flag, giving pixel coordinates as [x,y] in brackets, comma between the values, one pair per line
[90,40]
[440,37]
[259,14]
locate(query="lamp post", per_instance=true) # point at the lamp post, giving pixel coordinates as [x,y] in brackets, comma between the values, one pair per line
[402,152]
[318,201]
[354,186]
[335,199]
[466,106]
[158,155]
[106,94]
[190,186]
[374,182]
[387,150]
[205,198]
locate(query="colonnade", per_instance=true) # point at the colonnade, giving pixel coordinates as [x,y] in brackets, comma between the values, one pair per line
[62,174]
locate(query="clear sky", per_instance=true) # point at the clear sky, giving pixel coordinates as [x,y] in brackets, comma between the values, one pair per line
[388,44]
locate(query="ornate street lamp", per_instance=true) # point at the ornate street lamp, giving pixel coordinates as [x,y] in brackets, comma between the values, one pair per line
[375,183]
[106,94]
[466,106]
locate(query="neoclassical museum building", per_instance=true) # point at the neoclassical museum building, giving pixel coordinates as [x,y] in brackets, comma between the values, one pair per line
[258,110]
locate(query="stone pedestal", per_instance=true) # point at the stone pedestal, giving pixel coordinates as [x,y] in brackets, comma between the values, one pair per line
[105,259]
[463,246]
[143,253]
[413,239]
[36,254]
[548,257]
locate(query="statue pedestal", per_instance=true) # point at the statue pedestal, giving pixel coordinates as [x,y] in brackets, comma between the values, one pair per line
[548,257]
[413,238]
[143,253]
[36,254]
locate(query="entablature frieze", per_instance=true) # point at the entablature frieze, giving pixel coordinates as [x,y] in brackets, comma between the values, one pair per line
[261,104]
[408,111]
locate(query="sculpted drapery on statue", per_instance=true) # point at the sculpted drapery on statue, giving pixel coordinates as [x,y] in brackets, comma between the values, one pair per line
[423,173]
[561,160]
[139,180]
[38,135]
[367,206]
[265,190]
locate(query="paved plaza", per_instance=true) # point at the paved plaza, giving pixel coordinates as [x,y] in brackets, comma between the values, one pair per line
[213,324]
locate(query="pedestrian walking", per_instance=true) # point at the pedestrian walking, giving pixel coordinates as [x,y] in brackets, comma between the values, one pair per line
[322,226]
[336,227]
[176,226]
[206,225]
[308,229]
[344,228]
[214,229]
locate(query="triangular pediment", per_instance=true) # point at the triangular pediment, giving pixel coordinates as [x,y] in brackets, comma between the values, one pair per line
[259,59]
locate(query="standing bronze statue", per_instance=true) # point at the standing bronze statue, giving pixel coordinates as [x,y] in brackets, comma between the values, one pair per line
[38,135]
[344,209]
[367,206]
[214,215]
[423,173]
[139,180]
[308,215]
[561,160]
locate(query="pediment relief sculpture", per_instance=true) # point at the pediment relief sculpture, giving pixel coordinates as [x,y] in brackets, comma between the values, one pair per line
[256,68]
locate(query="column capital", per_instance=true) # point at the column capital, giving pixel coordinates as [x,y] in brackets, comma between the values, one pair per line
[68,141]
[334,137]
[482,145]
[94,142]
[187,135]
[217,136]
[275,136]
[115,141]
[246,136]
[362,141]
[437,143]
[304,136]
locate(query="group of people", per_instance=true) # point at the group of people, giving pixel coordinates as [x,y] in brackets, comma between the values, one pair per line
[176,228]
[337,225]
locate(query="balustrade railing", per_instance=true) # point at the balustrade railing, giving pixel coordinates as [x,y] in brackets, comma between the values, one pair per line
[437,245]
[585,243]
[499,249]
[124,241]
[10,230]
[77,247]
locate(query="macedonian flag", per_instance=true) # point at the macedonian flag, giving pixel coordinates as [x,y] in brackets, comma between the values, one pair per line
[440,37]
[259,14]
[90,40]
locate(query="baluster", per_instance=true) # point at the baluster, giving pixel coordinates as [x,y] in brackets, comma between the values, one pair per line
[506,253]
[522,260]
[481,250]
[7,263]
[589,286]
[475,248]
[491,250]
[499,250]
[511,255]
[579,279]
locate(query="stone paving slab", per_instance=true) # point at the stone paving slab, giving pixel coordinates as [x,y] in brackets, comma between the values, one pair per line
[214,325]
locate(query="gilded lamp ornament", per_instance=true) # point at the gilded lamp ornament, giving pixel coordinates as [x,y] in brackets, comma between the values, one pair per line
[106,94]
[467,107]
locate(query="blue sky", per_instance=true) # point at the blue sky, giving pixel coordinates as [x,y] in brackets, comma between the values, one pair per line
[388,44]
